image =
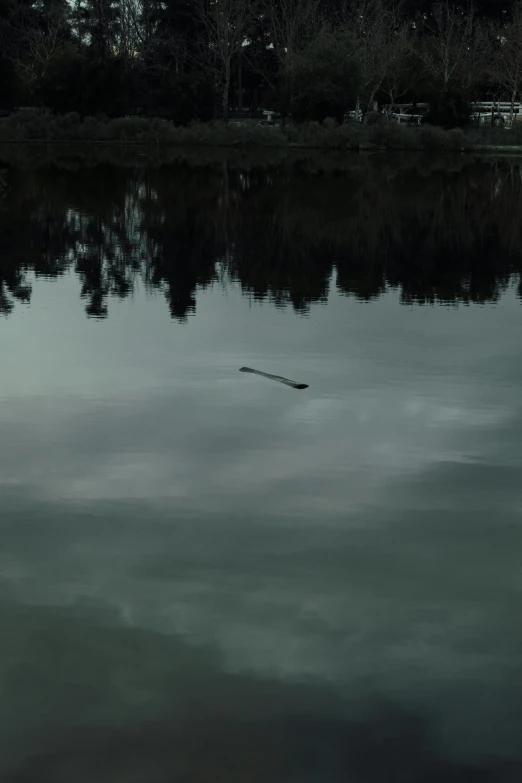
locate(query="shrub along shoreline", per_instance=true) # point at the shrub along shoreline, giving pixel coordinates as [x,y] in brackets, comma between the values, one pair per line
[27,126]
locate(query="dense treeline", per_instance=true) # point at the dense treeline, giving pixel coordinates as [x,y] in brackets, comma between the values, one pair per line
[441,233]
[197,59]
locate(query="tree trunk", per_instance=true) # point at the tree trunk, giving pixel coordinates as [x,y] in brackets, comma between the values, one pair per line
[391,107]
[371,101]
[226,91]
[240,84]
[512,109]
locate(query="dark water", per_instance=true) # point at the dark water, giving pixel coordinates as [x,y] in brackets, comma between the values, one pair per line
[207,576]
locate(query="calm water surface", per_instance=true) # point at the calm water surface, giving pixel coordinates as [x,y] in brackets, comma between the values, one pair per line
[207,576]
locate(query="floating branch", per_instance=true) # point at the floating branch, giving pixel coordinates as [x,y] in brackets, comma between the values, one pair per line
[278,378]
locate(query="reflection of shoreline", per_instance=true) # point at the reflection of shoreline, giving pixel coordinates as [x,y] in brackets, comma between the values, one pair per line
[25,155]
[439,231]
[69,155]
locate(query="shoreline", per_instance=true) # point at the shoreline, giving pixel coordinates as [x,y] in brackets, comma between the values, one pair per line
[30,128]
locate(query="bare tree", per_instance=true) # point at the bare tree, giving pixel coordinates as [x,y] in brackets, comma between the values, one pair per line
[451,50]
[506,54]
[379,36]
[226,25]
[32,40]
[128,35]
[287,26]
[402,73]
[159,48]
[289,23]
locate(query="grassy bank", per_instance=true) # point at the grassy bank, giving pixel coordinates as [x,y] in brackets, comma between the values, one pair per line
[28,126]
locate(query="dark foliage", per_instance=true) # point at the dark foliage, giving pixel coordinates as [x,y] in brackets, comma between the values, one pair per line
[449,111]
[117,58]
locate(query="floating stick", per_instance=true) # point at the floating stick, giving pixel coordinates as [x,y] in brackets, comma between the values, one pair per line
[278,378]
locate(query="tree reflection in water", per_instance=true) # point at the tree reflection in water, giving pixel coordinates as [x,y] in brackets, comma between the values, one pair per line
[435,231]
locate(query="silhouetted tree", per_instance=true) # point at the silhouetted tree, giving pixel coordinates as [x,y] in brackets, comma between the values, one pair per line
[287,26]
[506,53]
[225,26]
[378,35]
[101,25]
[323,77]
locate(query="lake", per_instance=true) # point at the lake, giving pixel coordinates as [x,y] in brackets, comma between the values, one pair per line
[209,576]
